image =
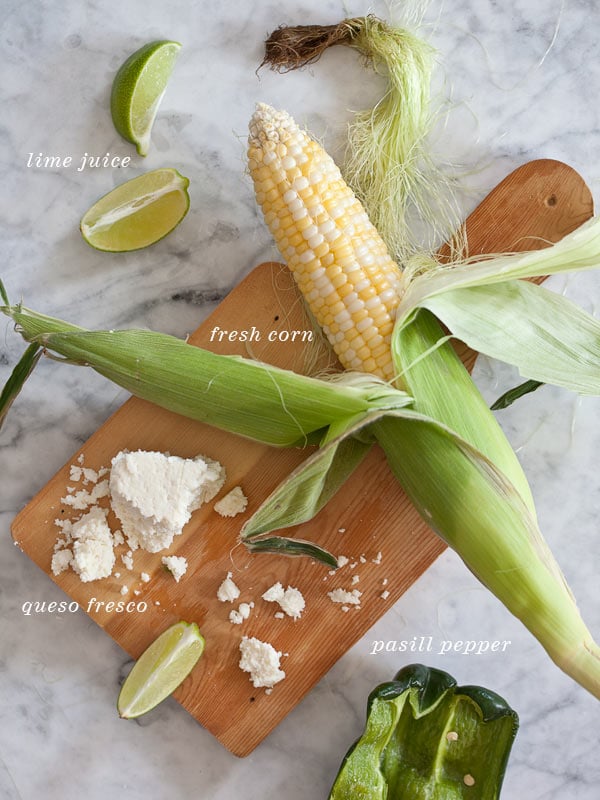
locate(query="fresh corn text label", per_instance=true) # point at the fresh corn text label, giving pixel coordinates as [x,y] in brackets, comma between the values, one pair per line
[254,335]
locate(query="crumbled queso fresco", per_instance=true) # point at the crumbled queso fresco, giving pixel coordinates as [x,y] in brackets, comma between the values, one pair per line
[153,495]
[262,661]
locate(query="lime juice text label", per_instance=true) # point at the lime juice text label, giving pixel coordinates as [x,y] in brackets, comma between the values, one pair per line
[86,161]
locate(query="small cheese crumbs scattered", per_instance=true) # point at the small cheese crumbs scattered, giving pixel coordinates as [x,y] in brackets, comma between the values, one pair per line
[117,574]
[137,592]
[127,559]
[235,502]
[124,590]
[83,499]
[279,615]
[378,557]
[355,579]
[452,736]
[362,560]
[384,582]
[342,596]
[384,595]
[261,660]
[341,530]
[145,577]
[290,600]
[345,608]
[243,612]
[228,591]
[177,566]
[342,561]
[469,780]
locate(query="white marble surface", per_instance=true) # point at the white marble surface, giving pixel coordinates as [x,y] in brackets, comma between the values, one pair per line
[524,77]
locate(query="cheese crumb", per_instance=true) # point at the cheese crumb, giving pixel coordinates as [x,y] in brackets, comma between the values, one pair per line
[118,537]
[355,579]
[83,499]
[385,595]
[61,560]
[75,473]
[342,596]
[378,557]
[177,566]
[279,615]
[274,594]
[228,591]
[127,559]
[124,590]
[93,555]
[262,661]
[145,577]
[342,561]
[243,612]
[290,600]
[154,494]
[235,502]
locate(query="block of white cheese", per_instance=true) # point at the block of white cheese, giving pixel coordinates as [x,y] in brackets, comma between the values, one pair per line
[154,494]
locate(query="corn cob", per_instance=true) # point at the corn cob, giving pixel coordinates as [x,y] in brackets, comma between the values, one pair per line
[342,266]
[451,458]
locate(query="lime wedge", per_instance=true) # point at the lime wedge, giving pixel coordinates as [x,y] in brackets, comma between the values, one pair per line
[137,213]
[160,669]
[138,88]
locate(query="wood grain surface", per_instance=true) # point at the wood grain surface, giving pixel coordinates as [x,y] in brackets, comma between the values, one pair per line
[539,202]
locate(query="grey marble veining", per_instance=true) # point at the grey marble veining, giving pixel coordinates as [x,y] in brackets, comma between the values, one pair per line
[523,78]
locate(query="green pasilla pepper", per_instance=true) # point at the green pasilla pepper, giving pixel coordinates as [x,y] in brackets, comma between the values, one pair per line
[428,739]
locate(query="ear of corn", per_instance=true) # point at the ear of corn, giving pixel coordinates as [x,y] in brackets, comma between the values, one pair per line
[212,388]
[448,453]
[349,281]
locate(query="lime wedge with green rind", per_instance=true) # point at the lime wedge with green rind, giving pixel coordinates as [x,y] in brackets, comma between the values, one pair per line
[137,213]
[160,669]
[138,88]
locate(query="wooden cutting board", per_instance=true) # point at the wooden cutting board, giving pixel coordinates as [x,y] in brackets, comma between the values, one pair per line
[539,202]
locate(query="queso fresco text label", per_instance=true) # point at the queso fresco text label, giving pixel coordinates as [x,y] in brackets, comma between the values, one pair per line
[30,607]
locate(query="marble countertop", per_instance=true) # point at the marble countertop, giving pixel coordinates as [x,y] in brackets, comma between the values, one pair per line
[523,78]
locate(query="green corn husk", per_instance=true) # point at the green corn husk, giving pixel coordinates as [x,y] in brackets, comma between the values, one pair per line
[216,388]
[446,450]
[484,511]
[508,398]
[19,375]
